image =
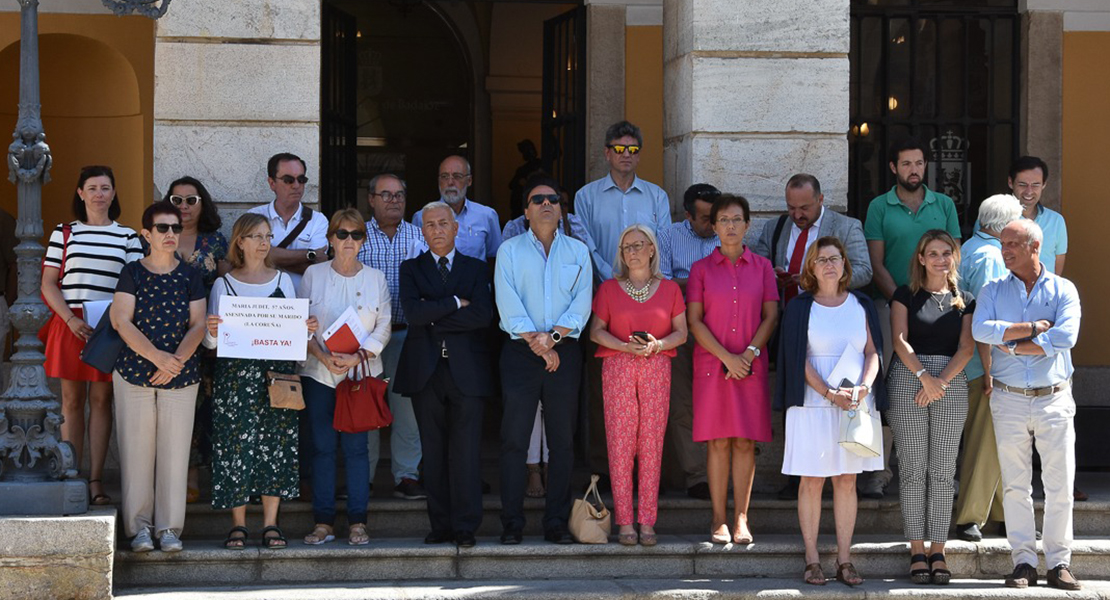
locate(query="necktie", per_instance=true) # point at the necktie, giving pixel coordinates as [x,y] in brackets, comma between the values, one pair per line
[795,265]
[443,271]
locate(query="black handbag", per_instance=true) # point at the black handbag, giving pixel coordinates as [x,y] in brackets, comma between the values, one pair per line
[104,345]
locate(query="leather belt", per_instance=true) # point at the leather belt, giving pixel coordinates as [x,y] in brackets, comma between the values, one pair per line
[443,351]
[1034,392]
[400,326]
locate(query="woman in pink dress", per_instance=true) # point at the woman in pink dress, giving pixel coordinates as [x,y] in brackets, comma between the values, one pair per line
[732,306]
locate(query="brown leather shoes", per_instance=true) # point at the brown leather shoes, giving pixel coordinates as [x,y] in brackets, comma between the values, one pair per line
[1024,575]
[1061,578]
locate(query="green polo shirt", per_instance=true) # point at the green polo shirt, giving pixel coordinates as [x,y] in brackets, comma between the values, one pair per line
[889,221]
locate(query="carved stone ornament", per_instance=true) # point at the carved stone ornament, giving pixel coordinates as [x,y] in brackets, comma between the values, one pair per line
[153,9]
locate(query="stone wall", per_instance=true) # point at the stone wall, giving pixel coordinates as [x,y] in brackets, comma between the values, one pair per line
[58,557]
[755,92]
[236,82]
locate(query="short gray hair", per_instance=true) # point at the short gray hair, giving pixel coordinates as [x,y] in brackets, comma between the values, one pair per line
[373,185]
[1032,231]
[998,211]
[438,204]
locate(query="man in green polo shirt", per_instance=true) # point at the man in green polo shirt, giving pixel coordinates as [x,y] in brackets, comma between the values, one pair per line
[895,223]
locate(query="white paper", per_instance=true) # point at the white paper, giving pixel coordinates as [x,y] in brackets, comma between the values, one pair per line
[349,317]
[849,366]
[269,328]
[94,310]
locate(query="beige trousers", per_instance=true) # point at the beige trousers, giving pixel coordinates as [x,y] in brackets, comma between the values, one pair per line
[154,428]
[980,497]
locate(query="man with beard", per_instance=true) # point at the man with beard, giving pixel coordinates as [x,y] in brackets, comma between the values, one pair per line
[479,227]
[895,222]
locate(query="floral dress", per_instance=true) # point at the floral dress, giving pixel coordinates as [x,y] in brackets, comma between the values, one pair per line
[210,249]
[254,446]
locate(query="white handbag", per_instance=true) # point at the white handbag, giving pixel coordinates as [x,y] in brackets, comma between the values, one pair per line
[861,432]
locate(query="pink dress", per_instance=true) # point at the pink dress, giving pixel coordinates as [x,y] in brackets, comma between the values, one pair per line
[732,296]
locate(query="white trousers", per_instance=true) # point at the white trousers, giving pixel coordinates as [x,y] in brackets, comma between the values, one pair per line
[1019,421]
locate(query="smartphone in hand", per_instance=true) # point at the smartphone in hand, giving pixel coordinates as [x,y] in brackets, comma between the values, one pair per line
[641,336]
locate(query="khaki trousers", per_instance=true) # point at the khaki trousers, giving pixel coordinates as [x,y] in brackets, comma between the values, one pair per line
[154,428]
[691,455]
[980,497]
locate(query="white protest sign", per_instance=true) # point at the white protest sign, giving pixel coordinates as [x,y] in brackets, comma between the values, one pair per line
[269,328]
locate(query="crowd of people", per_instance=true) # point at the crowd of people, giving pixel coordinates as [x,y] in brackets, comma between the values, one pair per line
[682,321]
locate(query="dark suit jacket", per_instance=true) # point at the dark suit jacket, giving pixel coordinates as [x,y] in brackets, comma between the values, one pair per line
[435,319]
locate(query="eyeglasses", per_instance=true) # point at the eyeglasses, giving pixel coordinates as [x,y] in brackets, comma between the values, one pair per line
[733,221]
[289,179]
[190,200]
[554,199]
[634,247]
[354,235]
[260,237]
[389,197]
[457,177]
[828,260]
[166,227]
[620,148]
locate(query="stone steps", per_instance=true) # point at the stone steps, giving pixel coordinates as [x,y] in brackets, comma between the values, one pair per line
[206,563]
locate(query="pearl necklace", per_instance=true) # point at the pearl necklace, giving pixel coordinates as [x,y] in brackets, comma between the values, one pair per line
[639,295]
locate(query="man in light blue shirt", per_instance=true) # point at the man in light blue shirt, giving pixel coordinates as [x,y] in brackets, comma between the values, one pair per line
[609,205]
[544,287]
[1031,318]
[479,226]
[981,262]
[1028,176]
[577,231]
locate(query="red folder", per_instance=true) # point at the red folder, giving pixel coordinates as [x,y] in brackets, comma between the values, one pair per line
[343,341]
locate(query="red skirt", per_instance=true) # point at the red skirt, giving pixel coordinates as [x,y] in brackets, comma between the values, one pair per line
[63,353]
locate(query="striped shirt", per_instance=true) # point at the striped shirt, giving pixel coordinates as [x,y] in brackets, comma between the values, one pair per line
[93,259]
[680,247]
[386,255]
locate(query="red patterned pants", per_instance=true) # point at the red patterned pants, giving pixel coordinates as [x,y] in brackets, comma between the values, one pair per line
[637,395]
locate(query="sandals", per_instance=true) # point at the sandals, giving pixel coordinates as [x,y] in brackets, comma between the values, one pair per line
[321,534]
[813,574]
[940,576]
[628,539]
[236,542]
[99,499]
[648,539]
[920,576]
[274,542]
[846,573]
[535,487]
[357,536]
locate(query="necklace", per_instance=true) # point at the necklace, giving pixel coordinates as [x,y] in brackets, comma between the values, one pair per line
[641,294]
[940,300]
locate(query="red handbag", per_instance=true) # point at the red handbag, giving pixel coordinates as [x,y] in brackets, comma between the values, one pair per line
[360,403]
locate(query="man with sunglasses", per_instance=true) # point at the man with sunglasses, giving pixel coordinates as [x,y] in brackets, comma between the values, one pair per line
[610,204]
[389,241]
[300,233]
[479,226]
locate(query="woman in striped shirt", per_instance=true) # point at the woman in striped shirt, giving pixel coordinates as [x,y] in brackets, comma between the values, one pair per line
[82,264]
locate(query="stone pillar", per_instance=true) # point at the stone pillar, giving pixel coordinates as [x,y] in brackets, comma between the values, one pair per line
[58,557]
[756,91]
[235,83]
[1042,96]
[604,80]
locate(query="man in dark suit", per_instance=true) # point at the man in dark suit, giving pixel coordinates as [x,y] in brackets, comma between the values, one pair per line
[446,368]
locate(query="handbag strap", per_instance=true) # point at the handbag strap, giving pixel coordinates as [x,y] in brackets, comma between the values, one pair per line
[306,215]
[593,490]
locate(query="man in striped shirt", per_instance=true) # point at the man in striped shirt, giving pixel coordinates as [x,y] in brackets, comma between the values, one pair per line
[389,241]
[680,246]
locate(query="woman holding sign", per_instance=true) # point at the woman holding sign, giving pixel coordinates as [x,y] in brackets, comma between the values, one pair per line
[254,445]
[828,332]
[346,295]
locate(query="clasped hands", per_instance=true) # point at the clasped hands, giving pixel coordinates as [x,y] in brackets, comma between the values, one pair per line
[638,348]
[842,397]
[541,344]
[738,366]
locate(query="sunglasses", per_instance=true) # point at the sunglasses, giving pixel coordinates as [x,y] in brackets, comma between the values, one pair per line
[354,235]
[289,179]
[166,227]
[539,198]
[620,148]
[190,200]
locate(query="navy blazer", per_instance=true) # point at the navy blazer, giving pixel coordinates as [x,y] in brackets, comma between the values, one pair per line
[436,320]
[790,376]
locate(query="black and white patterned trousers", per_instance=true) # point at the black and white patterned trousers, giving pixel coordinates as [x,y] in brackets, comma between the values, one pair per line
[928,440]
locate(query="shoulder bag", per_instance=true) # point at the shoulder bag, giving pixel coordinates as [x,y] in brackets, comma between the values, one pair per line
[360,403]
[104,345]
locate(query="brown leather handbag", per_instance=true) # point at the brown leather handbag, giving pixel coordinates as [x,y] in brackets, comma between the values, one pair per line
[360,404]
[285,390]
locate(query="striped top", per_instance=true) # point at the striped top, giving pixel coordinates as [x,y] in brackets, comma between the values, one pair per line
[94,258]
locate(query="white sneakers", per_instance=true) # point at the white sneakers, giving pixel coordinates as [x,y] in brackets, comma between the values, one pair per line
[168,542]
[142,541]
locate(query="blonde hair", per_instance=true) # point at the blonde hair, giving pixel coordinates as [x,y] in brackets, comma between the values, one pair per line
[917,270]
[809,280]
[347,215]
[243,227]
[620,269]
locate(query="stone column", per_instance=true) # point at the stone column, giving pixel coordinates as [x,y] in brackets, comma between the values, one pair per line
[1042,96]
[756,91]
[604,81]
[235,83]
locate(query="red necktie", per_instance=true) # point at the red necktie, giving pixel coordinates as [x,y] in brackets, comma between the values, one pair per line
[795,265]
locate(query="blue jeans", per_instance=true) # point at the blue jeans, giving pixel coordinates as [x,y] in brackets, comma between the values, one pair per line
[319,402]
[404,436]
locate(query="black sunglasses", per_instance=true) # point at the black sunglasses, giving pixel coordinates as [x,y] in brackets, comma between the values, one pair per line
[539,198]
[165,227]
[354,235]
[289,179]
[190,200]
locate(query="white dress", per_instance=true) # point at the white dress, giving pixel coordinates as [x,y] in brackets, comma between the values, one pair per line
[813,430]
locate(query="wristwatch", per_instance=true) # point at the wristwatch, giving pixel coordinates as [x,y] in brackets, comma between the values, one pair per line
[1011,347]
[919,373]
[556,336]
[310,256]
[754,350]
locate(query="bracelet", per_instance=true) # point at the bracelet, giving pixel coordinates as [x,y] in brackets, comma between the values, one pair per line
[826,394]
[71,315]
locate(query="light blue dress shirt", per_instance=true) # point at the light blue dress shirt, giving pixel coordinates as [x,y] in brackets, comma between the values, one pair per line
[1004,302]
[607,211]
[1055,235]
[537,291]
[578,230]
[479,230]
[980,263]
[680,247]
